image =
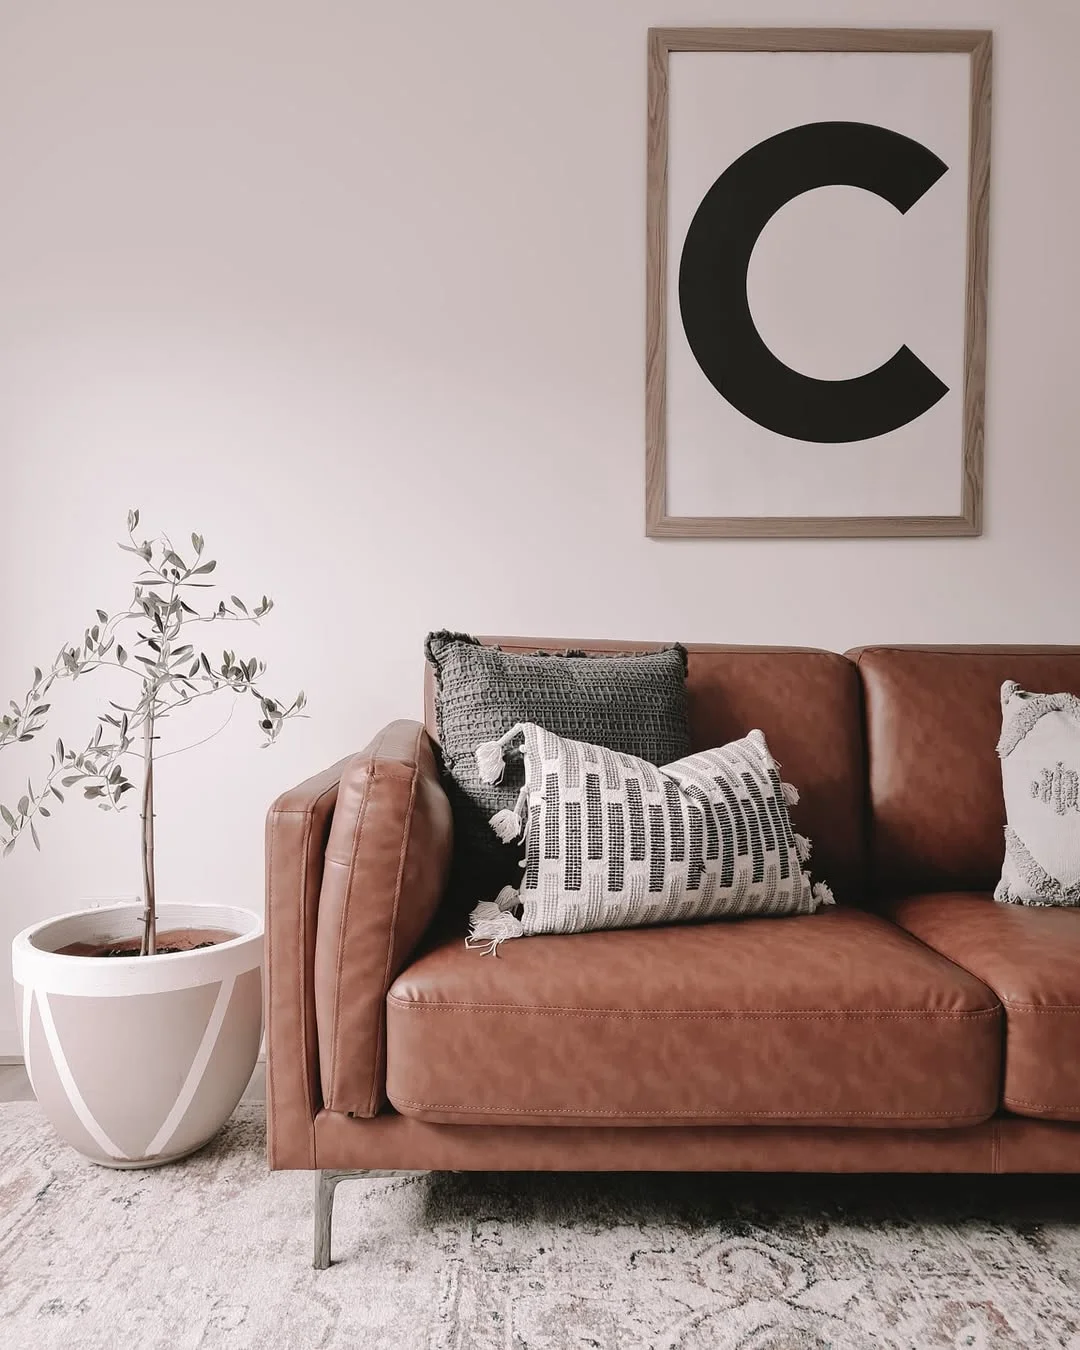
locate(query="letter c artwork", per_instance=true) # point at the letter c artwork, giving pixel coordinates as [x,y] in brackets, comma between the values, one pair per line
[713,271]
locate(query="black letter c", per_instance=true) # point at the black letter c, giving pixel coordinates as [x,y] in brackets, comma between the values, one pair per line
[712,282]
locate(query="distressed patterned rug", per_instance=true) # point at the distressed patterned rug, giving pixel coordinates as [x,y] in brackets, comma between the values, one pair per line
[215,1251]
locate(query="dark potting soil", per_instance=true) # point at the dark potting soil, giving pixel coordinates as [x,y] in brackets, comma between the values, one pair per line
[168,942]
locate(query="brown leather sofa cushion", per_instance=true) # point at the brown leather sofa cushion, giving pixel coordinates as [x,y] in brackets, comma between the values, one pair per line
[837,1018]
[807,703]
[387,860]
[933,717]
[1030,957]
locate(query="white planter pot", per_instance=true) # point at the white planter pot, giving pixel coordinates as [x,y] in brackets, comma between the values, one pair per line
[137,1061]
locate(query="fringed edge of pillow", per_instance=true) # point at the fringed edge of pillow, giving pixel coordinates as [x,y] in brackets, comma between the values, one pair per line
[493,921]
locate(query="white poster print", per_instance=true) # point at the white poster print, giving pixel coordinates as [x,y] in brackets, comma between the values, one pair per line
[839,281]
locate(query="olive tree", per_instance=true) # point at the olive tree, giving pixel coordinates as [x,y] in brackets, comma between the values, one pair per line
[150,644]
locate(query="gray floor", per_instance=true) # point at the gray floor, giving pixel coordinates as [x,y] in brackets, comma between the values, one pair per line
[15,1086]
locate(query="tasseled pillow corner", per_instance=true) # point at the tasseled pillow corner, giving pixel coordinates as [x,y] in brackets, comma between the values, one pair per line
[611,841]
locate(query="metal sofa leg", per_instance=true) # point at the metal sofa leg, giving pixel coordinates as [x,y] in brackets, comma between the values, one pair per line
[324,1205]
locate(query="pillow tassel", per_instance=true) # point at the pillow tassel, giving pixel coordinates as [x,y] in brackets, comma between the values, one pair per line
[490,759]
[803,847]
[491,922]
[791,793]
[508,824]
[822,893]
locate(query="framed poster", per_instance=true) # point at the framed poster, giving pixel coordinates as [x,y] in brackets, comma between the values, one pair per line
[817,276]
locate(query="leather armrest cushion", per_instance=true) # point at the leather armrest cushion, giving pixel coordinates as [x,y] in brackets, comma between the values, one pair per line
[297,829]
[387,861]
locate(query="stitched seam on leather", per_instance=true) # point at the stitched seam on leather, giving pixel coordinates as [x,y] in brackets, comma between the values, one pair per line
[271,1073]
[336,1019]
[271,1076]
[1040,1007]
[406,835]
[1042,1106]
[304,1081]
[719,1115]
[1009,649]
[808,1015]
[342,927]
[995,1146]
[300,985]
[517,645]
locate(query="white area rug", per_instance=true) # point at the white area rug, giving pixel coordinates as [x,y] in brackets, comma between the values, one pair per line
[216,1251]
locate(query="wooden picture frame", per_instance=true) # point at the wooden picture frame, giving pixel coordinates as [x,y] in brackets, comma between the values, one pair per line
[662,42]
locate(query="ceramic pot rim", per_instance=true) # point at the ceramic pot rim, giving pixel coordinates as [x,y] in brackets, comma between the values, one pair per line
[36,964]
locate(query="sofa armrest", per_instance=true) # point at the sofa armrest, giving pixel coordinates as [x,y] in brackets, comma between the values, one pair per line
[297,830]
[387,862]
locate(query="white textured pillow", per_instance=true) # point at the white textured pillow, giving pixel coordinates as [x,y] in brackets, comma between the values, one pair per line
[614,842]
[1040,777]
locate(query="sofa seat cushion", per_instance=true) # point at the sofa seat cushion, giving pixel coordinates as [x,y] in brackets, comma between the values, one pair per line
[1030,957]
[835,1018]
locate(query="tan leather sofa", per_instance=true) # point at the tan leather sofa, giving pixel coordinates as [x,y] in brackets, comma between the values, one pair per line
[918,1026]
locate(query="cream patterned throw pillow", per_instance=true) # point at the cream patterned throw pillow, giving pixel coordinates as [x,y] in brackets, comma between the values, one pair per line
[611,841]
[1040,776]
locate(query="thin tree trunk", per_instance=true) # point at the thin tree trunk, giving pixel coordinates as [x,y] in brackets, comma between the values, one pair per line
[149,937]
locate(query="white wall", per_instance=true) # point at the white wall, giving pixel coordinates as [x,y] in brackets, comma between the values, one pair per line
[356,290]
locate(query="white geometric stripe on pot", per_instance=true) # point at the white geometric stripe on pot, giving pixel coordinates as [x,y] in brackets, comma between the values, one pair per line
[64,1113]
[613,842]
[27,1000]
[141,1114]
[106,1082]
[58,1059]
[138,1060]
[161,1140]
[1040,778]
[231,1061]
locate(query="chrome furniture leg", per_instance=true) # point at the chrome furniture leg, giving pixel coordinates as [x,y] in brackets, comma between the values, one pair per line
[324,1205]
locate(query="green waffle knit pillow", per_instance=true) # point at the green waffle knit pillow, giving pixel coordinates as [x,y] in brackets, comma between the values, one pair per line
[634,704]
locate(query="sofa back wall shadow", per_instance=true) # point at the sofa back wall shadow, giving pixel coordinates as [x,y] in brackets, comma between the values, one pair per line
[357,291]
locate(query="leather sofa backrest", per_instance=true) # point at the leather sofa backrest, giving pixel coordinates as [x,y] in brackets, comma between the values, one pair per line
[807,704]
[933,717]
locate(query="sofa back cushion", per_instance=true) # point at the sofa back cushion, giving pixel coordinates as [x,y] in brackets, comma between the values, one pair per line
[933,718]
[807,704]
